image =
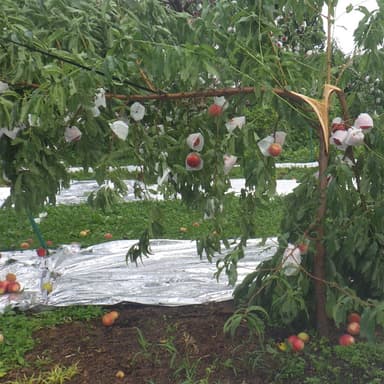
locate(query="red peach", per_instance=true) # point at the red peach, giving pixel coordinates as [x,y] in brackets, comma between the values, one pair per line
[193,160]
[107,319]
[215,110]
[14,287]
[346,339]
[4,287]
[354,317]
[41,252]
[353,328]
[275,149]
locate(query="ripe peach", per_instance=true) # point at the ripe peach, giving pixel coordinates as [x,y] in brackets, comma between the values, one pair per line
[303,248]
[297,345]
[41,252]
[10,276]
[303,336]
[346,339]
[354,317]
[84,232]
[120,374]
[193,160]
[275,149]
[14,287]
[353,328]
[114,314]
[24,245]
[107,319]
[215,110]
[4,287]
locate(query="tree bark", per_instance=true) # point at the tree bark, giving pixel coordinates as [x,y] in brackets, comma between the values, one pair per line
[319,259]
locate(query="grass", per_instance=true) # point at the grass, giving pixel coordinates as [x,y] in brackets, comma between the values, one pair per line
[64,223]
[19,327]
[56,375]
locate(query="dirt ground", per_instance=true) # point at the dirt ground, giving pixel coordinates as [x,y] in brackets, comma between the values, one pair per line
[178,344]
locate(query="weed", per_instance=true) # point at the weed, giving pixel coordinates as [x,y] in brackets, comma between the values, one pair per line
[169,346]
[147,351]
[57,375]
[187,371]
[253,317]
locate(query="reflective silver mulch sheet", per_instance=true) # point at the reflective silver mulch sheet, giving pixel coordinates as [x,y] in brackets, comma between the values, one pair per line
[98,275]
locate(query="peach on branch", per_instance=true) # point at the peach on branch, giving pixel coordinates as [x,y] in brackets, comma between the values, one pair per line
[275,149]
[193,161]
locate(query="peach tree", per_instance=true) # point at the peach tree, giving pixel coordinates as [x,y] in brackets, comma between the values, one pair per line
[184,90]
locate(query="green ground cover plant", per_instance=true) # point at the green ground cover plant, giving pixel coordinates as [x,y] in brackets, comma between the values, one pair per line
[63,223]
[19,328]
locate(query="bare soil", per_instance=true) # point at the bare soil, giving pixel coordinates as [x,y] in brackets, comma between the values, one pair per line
[178,344]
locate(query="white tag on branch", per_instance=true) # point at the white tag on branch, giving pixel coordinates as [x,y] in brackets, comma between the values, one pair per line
[120,129]
[235,122]
[354,137]
[10,133]
[95,112]
[100,100]
[164,178]
[338,124]
[338,140]
[364,122]
[291,260]
[137,111]
[3,87]
[264,145]
[72,134]
[229,162]
[33,120]
[195,141]
[220,101]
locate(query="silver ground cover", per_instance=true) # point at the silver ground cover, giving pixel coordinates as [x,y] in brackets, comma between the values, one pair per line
[173,275]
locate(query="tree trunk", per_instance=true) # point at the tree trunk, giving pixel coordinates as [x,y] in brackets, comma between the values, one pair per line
[319,259]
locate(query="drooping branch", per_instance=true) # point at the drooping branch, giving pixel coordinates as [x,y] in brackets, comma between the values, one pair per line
[170,96]
[184,95]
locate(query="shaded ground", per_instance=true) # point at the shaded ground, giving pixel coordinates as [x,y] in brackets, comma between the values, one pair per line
[187,345]
[162,344]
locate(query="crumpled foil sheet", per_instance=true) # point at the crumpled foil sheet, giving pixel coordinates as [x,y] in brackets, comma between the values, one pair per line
[173,275]
[79,191]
